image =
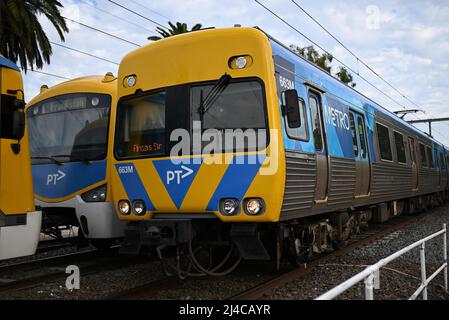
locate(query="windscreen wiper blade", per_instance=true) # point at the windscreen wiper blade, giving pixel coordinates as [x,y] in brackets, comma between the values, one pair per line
[59,163]
[214,94]
[76,158]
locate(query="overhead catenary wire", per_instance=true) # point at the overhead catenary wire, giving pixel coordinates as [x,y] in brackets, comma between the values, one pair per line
[48,74]
[137,14]
[149,9]
[115,16]
[357,57]
[103,32]
[360,60]
[338,60]
[326,51]
[83,52]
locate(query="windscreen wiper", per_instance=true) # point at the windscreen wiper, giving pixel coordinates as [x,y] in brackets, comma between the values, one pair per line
[59,163]
[84,160]
[214,94]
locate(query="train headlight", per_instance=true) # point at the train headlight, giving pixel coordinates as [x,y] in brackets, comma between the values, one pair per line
[139,208]
[95,195]
[229,207]
[124,207]
[130,81]
[254,206]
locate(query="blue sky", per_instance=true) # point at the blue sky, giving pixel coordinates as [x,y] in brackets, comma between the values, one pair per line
[407,42]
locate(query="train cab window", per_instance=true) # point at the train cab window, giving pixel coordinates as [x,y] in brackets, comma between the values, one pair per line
[383,137]
[361,127]
[301,133]
[355,144]
[430,155]
[422,151]
[400,147]
[141,126]
[316,122]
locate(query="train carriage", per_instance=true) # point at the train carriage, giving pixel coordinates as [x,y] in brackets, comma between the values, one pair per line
[69,127]
[20,223]
[240,141]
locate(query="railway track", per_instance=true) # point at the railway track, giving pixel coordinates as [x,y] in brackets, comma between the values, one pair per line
[54,268]
[152,289]
[368,237]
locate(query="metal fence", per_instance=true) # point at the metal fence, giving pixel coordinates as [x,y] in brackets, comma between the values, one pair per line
[371,274]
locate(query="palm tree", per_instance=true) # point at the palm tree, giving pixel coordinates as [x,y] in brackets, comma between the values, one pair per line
[173,30]
[22,37]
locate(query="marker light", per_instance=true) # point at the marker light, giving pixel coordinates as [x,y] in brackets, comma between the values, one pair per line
[241,62]
[229,207]
[139,207]
[124,207]
[130,81]
[254,207]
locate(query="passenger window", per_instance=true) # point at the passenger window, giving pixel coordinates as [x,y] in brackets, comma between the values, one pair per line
[383,137]
[361,126]
[316,124]
[400,147]
[355,144]
[430,154]
[422,151]
[301,133]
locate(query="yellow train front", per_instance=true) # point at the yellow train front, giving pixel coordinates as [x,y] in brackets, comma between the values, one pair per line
[230,146]
[166,181]
[69,127]
[20,223]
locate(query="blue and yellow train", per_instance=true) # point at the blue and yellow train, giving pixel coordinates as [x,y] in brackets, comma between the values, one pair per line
[239,143]
[69,129]
[20,223]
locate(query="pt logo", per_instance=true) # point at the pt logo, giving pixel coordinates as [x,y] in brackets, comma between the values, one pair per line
[53,178]
[176,176]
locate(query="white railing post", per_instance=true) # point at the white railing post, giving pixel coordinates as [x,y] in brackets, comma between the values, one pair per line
[422,252]
[369,287]
[445,255]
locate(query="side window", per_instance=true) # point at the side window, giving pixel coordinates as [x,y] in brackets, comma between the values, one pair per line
[430,154]
[316,122]
[361,126]
[400,147]
[422,151]
[383,137]
[301,133]
[355,145]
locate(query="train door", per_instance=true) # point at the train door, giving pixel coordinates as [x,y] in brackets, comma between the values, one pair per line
[361,156]
[320,146]
[415,173]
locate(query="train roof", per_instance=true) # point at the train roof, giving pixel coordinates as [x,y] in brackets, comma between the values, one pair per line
[88,84]
[8,64]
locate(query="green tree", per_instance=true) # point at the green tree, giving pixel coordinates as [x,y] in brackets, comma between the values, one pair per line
[311,54]
[22,37]
[346,77]
[323,61]
[174,30]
